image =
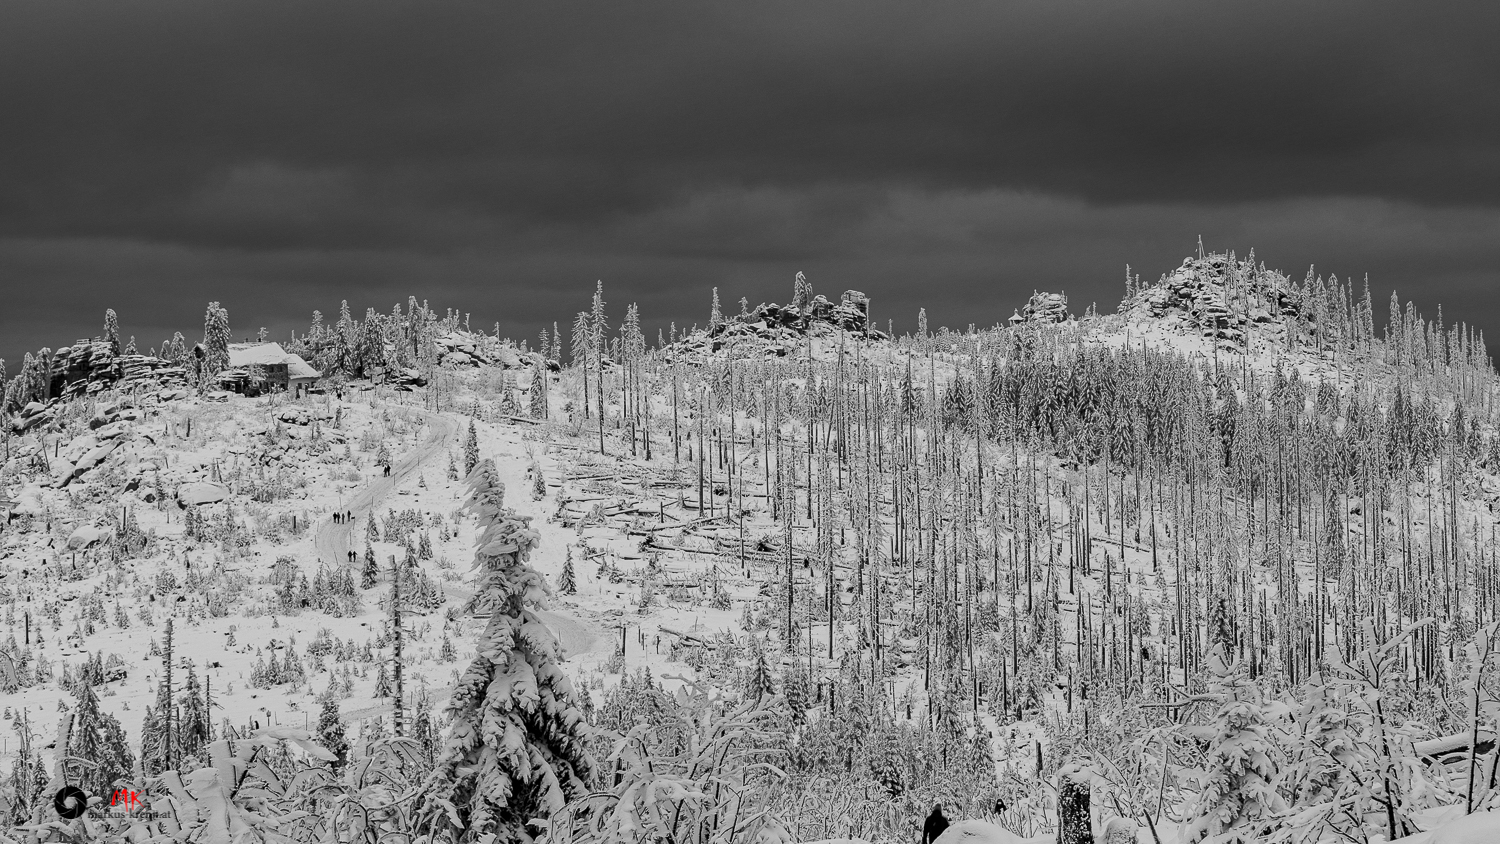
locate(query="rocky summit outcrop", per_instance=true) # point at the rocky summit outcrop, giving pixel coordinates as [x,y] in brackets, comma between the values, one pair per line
[1224,299]
[1043,308]
[85,368]
[90,366]
[851,314]
[775,330]
[461,349]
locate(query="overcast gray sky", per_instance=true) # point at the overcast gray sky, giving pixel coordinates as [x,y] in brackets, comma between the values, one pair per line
[499,158]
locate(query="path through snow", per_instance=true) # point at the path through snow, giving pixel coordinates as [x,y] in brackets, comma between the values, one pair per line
[575,636]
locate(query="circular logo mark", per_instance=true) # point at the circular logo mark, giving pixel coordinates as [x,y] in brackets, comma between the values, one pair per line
[70,802]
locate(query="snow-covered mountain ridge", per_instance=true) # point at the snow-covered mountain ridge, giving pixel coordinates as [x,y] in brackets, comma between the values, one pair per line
[784,578]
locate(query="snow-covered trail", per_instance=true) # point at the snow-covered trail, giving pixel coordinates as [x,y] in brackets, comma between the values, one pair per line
[575,636]
[332,540]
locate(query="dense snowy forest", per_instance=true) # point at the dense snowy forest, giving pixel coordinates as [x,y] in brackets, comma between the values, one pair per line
[1219,566]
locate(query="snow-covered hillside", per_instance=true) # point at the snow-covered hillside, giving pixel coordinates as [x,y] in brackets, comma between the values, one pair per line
[1221,564]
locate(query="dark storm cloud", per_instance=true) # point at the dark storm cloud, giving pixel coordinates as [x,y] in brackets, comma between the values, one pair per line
[264,123]
[500,157]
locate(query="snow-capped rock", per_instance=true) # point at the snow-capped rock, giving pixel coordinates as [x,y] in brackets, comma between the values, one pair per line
[201,492]
[294,416]
[88,535]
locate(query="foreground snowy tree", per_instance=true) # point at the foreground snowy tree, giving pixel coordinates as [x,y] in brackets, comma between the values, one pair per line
[98,745]
[1237,796]
[516,747]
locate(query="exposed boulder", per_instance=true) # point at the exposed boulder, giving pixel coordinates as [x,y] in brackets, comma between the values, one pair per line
[93,457]
[33,415]
[88,535]
[201,492]
[408,378]
[29,501]
[294,416]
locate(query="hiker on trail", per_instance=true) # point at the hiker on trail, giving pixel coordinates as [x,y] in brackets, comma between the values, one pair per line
[935,825]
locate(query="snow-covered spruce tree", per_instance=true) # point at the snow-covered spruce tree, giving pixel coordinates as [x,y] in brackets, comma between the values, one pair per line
[371,571]
[112,330]
[538,483]
[801,292]
[382,681]
[154,739]
[516,748]
[581,334]
[331,733]
[537,394]
[758,675]
[98,739]
[715,313]
[568,584]
[471,449]
[1237,797]
[193,717]
[215,342]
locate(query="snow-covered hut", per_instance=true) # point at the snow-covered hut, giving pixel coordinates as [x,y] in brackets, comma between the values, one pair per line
[270,365]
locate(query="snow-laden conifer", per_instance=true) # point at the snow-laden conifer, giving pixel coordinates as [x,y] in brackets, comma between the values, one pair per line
[215,342]
[1237,798]
[515,749]
[471,449]
[112,330]
[569,582]
[98,741]
[537,394]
